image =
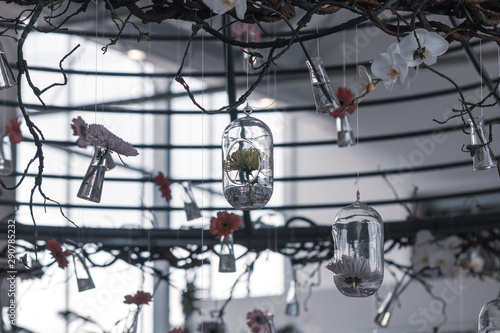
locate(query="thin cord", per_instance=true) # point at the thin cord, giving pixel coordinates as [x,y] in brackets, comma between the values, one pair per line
[317,39]
[96,52]
[202,158]
[249,59]
[343,53]
[481,72]
[357,129]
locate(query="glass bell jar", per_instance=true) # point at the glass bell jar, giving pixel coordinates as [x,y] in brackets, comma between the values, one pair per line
[489,317]
[482,155]
[247,163]
[358,259]
[324,96]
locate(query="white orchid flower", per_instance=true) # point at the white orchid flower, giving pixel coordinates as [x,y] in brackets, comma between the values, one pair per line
[363,83]
[431,44]
[390,67]
[222,6]
[451,243]
[444,260]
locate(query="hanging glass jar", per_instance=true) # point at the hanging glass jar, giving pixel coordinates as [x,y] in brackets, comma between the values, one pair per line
[324,96]
[489,317]
[358,258]
[7,79]
[227,261]
[91,187]
[247,163]
[345,134]
[482,155]
[6,164]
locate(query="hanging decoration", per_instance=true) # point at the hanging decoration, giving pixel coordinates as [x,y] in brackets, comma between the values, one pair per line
[223,227]
[139,299]
[14,131]
[57,253]
[358,257]
[164,186]
[489,317]
[190,206]
[104,143]
[92,184]
[480,151]
[260,322]
[345,134]
[82,273]
[324,97]
[14,135]
[247,163]
[7,79]
[6,163]
[292,299]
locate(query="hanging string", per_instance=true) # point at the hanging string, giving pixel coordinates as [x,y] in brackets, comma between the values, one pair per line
[481,73]
[317,39]
[357,125]
[96,54]
[202,159]
[249,59]
[343,53]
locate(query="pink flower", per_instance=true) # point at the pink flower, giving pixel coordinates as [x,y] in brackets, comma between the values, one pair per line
[57,253]
[345,96]
[224,224]
[164,184]
[79,127]
[259,322]
[246,33]
[14,131]
[100,136]
[138,299]
[176,330]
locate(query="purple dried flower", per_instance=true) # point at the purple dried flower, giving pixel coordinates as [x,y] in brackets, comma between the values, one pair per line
[100,136]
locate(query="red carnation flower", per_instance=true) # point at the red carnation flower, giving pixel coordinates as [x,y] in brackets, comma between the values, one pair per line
[57,253]
[164,184]
[224,224]
[139,298]
[14,131]
[345,96]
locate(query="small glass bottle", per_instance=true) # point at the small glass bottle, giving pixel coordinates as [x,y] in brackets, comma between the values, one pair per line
[489,317]
[6,164]
[91,187]
[324,96]
[358,259]
[82,273]
[190,206]
[292,300]
[345,134]
[482,155]
[227,261]
[7,79]
[247,163]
